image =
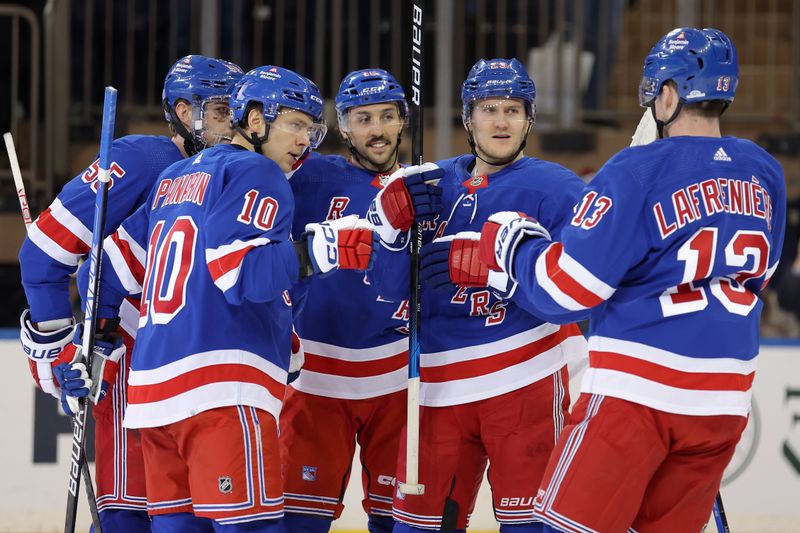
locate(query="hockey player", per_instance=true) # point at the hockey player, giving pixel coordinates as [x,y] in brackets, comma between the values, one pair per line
[196,109]
[493,376]
[210,252]
[352,386]
[667,253]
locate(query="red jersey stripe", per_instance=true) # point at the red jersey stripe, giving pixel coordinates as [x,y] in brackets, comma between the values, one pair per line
[494,363]
[566,283]
[61,234]
[354,369]
[703,381]
[229,372]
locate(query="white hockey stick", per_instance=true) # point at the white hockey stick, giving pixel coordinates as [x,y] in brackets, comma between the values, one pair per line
[26,217]
[18,184]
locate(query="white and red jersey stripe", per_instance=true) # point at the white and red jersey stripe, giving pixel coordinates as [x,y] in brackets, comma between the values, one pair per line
[60,234]
[353,374]
[225,262]
[483,371]
[668,381]
[203,381]
[568,282]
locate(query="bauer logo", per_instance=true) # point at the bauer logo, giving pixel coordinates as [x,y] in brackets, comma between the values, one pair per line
[309,473]
[225,484]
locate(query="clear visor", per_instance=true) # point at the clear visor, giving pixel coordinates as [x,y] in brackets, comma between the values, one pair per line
[301,124]
[496,109]
[647,91]
[363,118]
[212,121]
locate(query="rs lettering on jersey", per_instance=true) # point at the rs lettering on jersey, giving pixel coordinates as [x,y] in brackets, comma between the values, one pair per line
[91,174]
[591,210]
[337,207]
[480,304]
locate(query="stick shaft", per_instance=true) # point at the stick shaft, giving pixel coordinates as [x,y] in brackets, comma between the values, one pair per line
[18,183]
[78,455]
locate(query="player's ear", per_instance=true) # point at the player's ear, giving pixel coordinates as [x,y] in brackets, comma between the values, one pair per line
[255,121]
[183,110]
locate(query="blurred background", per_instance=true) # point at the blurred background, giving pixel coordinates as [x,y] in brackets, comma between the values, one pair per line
[584,55]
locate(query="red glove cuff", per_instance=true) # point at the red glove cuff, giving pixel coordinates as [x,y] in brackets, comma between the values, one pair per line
[397,205]
[355,249]
[487,242]
[466,269]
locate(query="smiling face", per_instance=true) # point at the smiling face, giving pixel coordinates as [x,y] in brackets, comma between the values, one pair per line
[374,131]
[498,126]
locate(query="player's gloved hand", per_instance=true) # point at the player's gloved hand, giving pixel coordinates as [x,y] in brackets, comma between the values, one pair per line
[78,382]
[411,193]
[646,131]
[43,343]
[501,235]
[298,356]
[346,243]
[454,260]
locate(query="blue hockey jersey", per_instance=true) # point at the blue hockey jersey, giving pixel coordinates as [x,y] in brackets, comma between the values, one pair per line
[473,344]
[62,234]
[210,253]
[348,331]
[667,253]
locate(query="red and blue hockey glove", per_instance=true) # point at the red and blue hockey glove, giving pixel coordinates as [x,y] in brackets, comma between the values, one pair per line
[411,193]
[43,343]
[454,260]
[343,244]
[72,375]
[501,235]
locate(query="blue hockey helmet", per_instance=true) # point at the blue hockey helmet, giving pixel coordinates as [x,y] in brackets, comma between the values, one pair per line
[277,88]
[369,86]
[701,62]
[497,77]
[198,80]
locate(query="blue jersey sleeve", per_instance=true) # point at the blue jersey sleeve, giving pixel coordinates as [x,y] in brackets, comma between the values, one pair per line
[248,247]
[562,281]
[62,234]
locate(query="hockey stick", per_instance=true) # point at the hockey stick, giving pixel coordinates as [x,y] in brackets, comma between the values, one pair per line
[719,515]
[78,455]
[411,485]
[26,217]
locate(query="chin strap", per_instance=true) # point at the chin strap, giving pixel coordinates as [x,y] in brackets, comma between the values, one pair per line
[361,160]
[190,144]
[254,139]
[660,124]
[474,149]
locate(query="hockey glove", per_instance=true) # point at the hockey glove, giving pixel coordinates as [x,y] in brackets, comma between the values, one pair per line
[411,193]
[453,260]
[501,235]
[43,343]
[71,372]
[344,244]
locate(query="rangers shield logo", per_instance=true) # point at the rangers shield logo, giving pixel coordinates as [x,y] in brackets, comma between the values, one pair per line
[309,473]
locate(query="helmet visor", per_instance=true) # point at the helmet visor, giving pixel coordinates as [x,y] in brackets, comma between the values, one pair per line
[314,131]
[212,121]
[498,108]
[648,89]
[384,116]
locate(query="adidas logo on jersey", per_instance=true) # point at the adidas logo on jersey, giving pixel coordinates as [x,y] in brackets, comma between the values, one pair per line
[720,155]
